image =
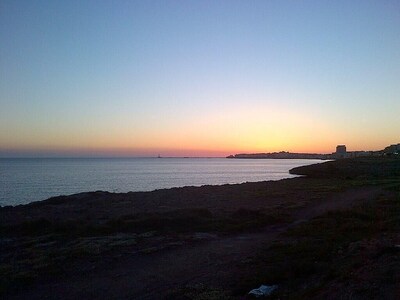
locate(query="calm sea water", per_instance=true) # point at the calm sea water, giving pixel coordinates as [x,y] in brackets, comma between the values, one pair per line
[23,180]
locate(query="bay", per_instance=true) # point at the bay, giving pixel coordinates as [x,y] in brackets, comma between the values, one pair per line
[23,180]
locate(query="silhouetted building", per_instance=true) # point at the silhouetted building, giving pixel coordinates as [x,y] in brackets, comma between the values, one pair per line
[341,152]
[341,149]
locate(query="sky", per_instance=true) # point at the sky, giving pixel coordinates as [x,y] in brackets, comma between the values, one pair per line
[197,78]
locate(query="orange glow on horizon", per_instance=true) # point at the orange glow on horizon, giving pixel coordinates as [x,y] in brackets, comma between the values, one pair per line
[236,130]
[172,152]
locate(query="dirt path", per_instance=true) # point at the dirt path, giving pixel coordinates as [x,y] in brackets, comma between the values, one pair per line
[150,276]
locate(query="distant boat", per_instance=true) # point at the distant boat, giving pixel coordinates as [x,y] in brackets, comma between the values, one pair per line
[159,156]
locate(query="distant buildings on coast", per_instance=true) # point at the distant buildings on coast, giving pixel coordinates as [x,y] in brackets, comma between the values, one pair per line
[281,155]
[341,152]
[341,149]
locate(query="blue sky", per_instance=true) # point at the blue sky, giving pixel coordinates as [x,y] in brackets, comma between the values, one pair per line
[197,77]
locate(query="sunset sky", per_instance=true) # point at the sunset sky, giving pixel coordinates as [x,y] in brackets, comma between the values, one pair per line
[197,78]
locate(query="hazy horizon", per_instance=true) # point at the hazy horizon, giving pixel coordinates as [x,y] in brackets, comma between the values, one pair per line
[197,78]
[130,154]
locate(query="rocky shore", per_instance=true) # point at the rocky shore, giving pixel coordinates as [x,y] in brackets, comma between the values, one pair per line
[333,233]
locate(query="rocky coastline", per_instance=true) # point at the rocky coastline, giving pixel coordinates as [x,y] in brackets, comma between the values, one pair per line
[332,233]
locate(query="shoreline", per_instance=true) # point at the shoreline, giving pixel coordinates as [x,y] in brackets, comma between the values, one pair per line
[233,180]
[223,240]
[77,195]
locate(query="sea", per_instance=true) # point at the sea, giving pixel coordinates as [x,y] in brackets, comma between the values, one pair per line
[24,180]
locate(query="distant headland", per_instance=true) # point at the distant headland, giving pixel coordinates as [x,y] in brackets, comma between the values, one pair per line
[341,152]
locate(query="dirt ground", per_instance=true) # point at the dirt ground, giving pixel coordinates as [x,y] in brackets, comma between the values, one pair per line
[212,261]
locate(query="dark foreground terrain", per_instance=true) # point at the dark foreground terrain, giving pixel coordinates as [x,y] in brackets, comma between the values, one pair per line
[333,234]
